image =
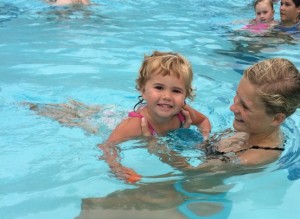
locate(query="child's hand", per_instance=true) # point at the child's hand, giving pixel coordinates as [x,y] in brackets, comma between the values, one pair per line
[127,174]
[187,118]
[205,133]
[110,154]
[145,128]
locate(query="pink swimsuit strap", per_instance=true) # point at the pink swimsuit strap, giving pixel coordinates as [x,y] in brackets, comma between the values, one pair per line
[153,132]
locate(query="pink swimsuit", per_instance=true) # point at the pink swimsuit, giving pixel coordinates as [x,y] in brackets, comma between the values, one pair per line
[153,132]
[257,28]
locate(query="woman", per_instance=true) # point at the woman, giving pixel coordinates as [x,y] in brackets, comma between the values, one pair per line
[268,93]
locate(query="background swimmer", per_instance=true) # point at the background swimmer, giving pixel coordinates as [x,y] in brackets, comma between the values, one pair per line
[264,11]
[289,16]
[264,20]
[67,2]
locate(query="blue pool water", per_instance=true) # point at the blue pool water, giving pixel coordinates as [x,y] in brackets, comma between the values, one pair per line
[51,55]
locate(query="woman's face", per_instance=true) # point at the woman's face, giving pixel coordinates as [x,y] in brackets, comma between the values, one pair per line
[250,112]
[289,12]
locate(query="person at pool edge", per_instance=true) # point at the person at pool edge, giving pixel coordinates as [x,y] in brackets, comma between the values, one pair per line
[164,82]
[67,2]
[267,94]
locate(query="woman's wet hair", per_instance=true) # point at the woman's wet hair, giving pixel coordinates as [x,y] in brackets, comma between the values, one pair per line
[278,84]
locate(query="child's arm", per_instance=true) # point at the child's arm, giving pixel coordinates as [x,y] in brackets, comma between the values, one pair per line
[111,156]
[127,129]
[199,120]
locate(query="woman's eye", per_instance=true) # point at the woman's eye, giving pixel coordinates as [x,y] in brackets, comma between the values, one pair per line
[245,107]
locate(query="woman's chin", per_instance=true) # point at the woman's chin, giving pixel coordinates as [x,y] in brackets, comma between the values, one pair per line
[238,126]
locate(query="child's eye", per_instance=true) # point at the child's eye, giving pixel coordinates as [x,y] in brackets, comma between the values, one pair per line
[158,87]
[177,91]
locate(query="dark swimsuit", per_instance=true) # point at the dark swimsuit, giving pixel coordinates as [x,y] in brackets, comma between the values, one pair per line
[211,150]
[227,157]
[291,29]
[153,132]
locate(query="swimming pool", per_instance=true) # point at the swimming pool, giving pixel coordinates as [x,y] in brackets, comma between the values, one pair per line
[50,55]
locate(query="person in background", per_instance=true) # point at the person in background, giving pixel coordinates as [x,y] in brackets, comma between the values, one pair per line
[264,20]
[289,16]
[68,2]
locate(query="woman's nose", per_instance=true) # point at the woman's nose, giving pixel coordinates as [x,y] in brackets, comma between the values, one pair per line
[234,106]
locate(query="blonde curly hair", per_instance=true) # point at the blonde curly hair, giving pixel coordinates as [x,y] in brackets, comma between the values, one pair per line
[166,63]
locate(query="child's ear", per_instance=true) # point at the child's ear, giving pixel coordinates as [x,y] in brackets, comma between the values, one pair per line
[279,118]
[142,91]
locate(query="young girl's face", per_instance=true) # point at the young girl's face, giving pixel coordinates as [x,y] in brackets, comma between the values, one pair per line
[264,12]
[288,11]
[165,95]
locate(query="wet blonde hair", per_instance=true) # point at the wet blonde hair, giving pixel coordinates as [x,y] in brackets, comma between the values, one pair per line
[166,63]
[278,84]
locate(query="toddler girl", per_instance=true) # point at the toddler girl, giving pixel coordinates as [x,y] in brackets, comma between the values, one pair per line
[164,83]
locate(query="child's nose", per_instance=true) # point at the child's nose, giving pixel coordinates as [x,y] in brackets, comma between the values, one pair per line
[167,94]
